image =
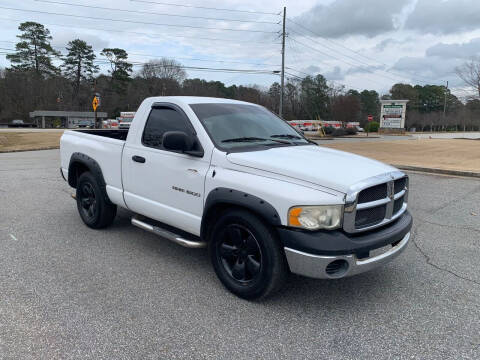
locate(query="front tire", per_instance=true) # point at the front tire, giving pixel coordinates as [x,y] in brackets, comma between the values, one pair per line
[246,255]
[93,207]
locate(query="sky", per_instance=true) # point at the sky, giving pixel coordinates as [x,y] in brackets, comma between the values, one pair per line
[361,44]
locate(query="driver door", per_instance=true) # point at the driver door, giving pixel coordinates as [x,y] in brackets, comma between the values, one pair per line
[165,185]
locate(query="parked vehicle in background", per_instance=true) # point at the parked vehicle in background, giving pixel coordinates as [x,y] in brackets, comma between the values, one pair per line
[17,123]
[110,124]
[234,177]
[85,123]
[125,119]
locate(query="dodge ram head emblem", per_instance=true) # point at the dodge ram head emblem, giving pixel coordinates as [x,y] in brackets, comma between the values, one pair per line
[390,190]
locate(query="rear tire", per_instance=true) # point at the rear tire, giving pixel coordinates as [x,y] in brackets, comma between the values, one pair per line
[246,255]
[93,207]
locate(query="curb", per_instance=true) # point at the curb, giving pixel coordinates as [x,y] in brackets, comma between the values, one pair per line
[439,171]
[23,150]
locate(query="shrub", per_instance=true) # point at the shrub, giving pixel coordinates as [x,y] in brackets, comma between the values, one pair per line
[372,126]
[328,130]
[351,131]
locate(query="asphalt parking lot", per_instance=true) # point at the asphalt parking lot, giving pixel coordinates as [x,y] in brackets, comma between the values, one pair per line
[67,291]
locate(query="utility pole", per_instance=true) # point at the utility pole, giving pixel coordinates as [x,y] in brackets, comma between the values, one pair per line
[445,101]
[282,80]
[445,107]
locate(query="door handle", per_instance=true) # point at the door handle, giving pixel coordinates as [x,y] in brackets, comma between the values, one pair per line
[139,159]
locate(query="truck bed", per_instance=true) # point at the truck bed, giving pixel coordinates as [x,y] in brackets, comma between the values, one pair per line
[110,133]
[103,146]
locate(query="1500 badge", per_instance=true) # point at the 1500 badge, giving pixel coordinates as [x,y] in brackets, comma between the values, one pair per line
[189,192]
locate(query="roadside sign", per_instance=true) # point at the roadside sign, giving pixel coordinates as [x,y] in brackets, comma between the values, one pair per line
[370,117]
[95,103]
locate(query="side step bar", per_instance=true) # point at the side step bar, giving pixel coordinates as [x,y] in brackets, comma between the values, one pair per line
[176,238]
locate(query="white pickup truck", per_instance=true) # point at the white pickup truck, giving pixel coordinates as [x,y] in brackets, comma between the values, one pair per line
[233,177]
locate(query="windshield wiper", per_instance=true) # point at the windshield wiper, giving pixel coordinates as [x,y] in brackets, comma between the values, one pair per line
[252,138]
[286,136]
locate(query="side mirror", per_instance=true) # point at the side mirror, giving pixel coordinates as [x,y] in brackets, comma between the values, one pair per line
[177,141]
[180,141]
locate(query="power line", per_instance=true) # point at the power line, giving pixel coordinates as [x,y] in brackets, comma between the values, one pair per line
[155,13]
[193,68]
[167,57]
[302,78]
[136,22]
[358,53]
[211,69]
[347,62]
[360,62]
[154,35]
[205,8]
[329,55]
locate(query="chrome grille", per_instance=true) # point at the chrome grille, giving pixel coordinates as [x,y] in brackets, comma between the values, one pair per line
[370,216]
[373,193]
[397,205]
[400,184]
[375,202]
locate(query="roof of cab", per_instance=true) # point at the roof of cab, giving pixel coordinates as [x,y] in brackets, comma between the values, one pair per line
[195,100]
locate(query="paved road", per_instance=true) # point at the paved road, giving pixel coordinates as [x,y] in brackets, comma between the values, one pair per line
[69,292]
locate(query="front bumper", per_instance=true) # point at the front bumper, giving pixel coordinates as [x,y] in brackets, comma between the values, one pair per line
[318,255]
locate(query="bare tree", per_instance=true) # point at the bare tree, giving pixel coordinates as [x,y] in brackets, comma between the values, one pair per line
[470,74]
[163,68]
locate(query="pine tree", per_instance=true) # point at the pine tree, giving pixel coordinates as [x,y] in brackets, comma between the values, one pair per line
[78,64]
[120,69]
[34,52]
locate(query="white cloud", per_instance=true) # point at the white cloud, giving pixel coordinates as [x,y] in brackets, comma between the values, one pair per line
[413,38]
[351,17]
[445,16]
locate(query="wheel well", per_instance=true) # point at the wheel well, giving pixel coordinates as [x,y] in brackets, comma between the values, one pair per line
[219,208]
[76,169]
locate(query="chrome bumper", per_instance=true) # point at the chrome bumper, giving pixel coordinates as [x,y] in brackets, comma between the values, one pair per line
[335,267]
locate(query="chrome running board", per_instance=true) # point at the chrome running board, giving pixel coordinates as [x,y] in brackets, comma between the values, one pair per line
[167,234]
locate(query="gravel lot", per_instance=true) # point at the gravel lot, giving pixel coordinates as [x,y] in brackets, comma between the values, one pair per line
[70,292]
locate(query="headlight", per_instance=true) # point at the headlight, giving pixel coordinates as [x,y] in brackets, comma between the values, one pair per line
[316,217]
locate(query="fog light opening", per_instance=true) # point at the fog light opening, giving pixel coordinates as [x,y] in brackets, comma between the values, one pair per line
[337,268]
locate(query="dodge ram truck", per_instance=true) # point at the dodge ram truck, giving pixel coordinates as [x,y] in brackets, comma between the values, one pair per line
[235,178]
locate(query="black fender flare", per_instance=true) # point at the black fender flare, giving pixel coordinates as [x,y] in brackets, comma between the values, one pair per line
[220,198]
[81,161]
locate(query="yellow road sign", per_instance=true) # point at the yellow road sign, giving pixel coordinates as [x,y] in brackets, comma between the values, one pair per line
[95,103]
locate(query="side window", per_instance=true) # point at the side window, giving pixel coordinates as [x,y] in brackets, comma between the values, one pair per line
[160,121]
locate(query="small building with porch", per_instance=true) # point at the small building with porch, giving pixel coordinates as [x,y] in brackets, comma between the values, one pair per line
[65,119]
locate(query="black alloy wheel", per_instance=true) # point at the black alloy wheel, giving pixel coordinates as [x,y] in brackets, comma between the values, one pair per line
[88,201]
[246,254]
[93,204]
[240,254]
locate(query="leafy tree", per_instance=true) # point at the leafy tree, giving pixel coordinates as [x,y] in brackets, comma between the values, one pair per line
[274,93]
[403,92]
[120,69]
[78,64]
[34,52]
[429,98]
[346,108]
[370,104]
[315,96]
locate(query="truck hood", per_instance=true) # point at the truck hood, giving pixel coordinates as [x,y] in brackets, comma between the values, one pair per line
[334,169]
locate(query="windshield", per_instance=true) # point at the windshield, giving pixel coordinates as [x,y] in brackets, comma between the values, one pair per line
[233,126]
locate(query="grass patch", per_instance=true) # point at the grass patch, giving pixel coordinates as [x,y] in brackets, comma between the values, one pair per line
[23,141]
